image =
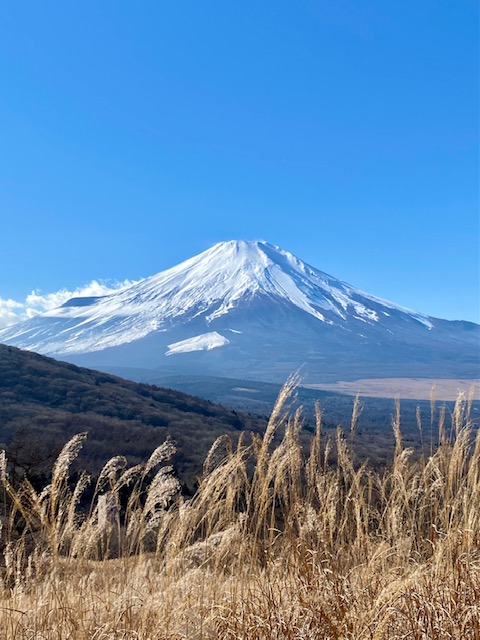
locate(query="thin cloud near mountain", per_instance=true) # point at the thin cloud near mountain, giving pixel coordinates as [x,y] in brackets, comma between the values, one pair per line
[36,302]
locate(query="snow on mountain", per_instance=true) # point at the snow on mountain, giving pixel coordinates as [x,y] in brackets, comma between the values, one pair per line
[272,304]
[204,342]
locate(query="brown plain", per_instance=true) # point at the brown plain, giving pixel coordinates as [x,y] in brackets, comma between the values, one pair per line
[407,388]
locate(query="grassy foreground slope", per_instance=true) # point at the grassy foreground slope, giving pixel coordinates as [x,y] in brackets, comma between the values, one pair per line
[44,402]
[277,543]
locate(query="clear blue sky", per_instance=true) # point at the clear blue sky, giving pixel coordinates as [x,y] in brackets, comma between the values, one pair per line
[136,134]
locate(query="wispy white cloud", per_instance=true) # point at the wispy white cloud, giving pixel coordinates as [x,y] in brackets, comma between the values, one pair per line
[36,302]
[10,312]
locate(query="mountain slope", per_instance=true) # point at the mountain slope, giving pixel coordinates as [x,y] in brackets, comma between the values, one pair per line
[251,309]
[44,402]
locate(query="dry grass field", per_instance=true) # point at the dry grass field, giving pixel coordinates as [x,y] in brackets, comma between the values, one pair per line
[278,543]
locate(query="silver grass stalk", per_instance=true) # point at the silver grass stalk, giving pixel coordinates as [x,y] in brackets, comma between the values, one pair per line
[357,410]
[44,493]
[80,487]
[224,441]
[3,466]
[107,510]
[128,475]
[161,490]
[274,422]
[164,452]
[110,470]
[67,455]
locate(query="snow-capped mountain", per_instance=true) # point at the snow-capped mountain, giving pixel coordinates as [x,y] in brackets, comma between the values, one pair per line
[250,309]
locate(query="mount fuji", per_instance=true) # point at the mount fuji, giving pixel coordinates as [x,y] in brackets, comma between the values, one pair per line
[251,310]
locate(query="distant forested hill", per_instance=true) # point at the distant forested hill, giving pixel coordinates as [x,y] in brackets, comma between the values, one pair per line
[43,402]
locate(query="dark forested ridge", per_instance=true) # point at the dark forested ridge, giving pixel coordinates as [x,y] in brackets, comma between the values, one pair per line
[43,402]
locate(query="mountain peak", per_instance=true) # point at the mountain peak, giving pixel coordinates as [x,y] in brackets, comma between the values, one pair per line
[242,251]
[236,250]
[238,245]
[248,257]
[219,279]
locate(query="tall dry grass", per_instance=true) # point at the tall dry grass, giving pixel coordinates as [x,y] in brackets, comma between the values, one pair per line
[277,543]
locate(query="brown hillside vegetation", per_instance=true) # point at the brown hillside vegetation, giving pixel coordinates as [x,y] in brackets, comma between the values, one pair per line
[44,402]
[277,544]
